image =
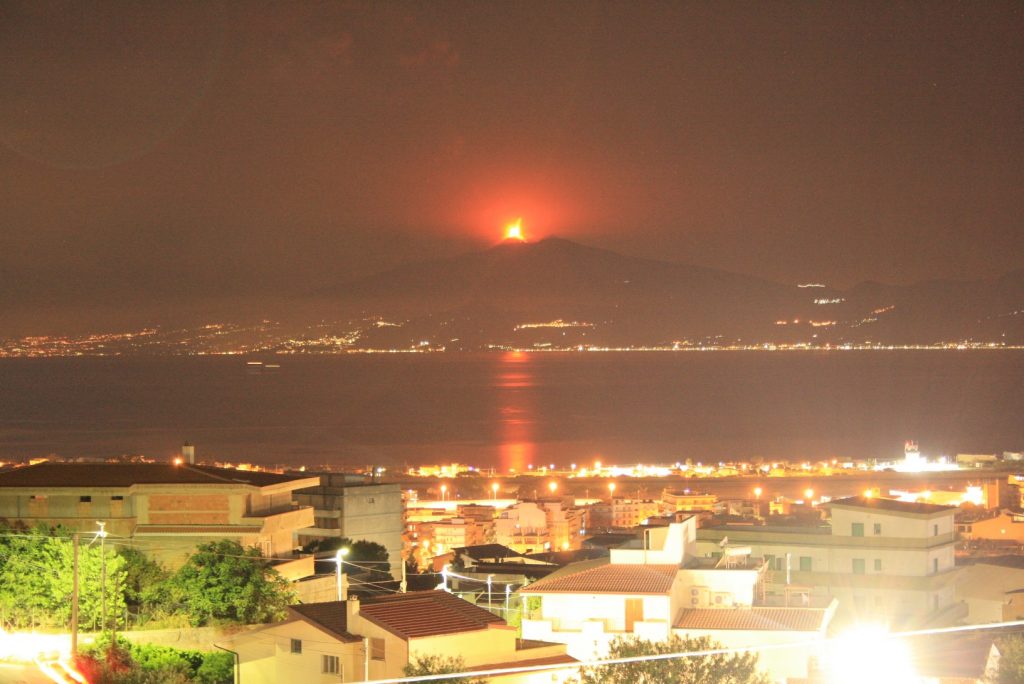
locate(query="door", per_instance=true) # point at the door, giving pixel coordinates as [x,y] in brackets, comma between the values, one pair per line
[634,612]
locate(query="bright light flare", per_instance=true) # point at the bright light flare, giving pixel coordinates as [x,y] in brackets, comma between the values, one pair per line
[514,231]
[869,653]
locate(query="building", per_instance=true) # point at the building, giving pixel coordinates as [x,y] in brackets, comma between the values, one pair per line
[523,528]
[881,558]
[353,641]
[1006,526]
[686,500]
[992,593]
[358,511]
[656,586]
[166,509]
[622,513]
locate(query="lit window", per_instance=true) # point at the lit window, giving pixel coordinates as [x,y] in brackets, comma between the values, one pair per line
[330,664]
[296,646]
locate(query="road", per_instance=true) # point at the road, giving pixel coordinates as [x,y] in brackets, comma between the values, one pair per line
[18,673]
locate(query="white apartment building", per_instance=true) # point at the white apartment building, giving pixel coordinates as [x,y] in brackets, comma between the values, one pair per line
[884,560]
[655,587]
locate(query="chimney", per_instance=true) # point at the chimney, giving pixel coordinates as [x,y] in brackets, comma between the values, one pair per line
[188,453]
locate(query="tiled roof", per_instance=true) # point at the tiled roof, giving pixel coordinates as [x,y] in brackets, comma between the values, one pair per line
[330,616]
[426,613]
[890,505]
[141,530]
[609,579]
[563,659]
[488,552]
[751,619]
[81,475]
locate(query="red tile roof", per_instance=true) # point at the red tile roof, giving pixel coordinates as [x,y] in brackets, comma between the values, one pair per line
[609,579]
[80,475]
[562,659]
[426,613]
[890,505]
[751,619]
[330,616]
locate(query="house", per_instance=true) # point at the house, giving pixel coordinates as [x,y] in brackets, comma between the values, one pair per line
[166,508]
[656,586]
[353,641]
[992,593]
[883,559]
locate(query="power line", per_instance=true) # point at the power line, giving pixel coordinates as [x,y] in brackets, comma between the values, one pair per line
[688,654]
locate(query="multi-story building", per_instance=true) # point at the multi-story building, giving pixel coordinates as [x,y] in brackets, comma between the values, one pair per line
[166,509]
[656,587]
[622,513]
[358,511]
[883,559]
[686,500]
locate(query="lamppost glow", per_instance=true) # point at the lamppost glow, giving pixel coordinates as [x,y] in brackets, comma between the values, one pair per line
[868,653]
[757,492]
[611,489]
[809,494]
[444,490]
[553,486]
[494,491]
[339,559]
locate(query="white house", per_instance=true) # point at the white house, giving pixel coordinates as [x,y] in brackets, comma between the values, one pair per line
[657,586]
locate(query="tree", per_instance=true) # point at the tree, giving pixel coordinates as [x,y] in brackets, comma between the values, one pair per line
[144,583]
[731,668]
[425,665]
[1011,660]
[36,578]
[224,582]
[371,555]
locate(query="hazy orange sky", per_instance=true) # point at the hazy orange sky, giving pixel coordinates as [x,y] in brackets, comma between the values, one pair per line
[180,150]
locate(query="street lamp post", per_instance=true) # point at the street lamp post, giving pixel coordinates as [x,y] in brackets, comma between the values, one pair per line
[444,490]
[102,534]
[339,559]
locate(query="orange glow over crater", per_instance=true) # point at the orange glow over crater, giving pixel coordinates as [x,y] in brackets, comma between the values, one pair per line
[514,231]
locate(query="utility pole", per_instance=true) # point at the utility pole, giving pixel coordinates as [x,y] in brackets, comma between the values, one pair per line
[102,534]
[74,596]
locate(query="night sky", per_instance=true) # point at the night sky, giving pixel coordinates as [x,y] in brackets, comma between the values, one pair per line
[176,152]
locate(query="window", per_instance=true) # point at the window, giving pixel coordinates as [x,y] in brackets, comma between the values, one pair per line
[935,565]
[85,499]
[878,528]
[117,498]
[935,530]
[296,646]
[858,530]
[376,649]
[805,564]
[858,566]
[330,664]
[878,565]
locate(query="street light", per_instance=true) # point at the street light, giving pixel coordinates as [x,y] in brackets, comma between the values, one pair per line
[758,492]
[102,534]
[339,559]
[611,489]
[809,494]
[494,491]
[444,490]
[553,486]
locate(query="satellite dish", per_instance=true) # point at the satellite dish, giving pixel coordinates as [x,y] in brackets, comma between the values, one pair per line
[724,542]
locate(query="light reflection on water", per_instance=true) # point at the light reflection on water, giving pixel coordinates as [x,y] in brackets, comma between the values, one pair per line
[514,377]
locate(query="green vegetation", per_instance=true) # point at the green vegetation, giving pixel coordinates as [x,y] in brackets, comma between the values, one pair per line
[1011,660]
[436,664]
[36,579]
[128,663]
[732,668]
[370,555]
[221,582]
[224,582]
